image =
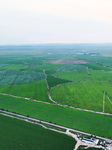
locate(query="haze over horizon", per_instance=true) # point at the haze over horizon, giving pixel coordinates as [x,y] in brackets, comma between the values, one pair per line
[55,21]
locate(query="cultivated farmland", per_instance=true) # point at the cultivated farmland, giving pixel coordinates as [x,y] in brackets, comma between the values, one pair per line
[20,135]
[70,67]
[19,77]
[75,119]
[96,66]
[53,81]
[34,90]
[85,95]
[14,67]
[85,75]
[67,85]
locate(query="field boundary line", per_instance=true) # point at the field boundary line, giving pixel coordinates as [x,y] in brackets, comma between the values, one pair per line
[103,102]
[48,88]
[25,98]
[109,99]
[54,103]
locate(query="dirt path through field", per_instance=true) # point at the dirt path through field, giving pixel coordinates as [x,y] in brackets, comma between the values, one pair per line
[48,88]
[103,102]
[26,98]
[109,100]
[55,103]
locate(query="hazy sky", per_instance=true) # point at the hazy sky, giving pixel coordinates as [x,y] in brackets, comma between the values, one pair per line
[55,21]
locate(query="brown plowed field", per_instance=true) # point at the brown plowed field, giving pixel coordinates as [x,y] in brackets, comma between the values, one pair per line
[67,62]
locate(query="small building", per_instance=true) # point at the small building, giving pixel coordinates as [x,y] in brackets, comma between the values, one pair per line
[88,141]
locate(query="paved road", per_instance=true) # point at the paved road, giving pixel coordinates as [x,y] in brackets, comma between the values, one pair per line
[51,124]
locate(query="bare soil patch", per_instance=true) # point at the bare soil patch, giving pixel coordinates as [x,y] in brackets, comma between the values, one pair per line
[67,62]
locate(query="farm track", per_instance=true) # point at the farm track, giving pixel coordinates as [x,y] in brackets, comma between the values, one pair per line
[40,123]
[26,98]
[48,88]
[109,99]
[55,103]
[103,102]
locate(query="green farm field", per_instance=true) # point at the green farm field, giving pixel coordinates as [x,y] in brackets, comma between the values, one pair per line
[19,77]
[105,61]
[35,90]
[20,135]
[96,66]
[76,119]
[86,83]
[70,67]
[53,81]
[48,66]
[85,75]
[84,95]
[14,67]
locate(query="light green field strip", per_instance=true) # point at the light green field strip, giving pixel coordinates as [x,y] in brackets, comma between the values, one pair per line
[20,135]
[18,77]
[36,90]
[15,67]
[48,66]
[84,95]
[80,120]
[95,66]
[85,75]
